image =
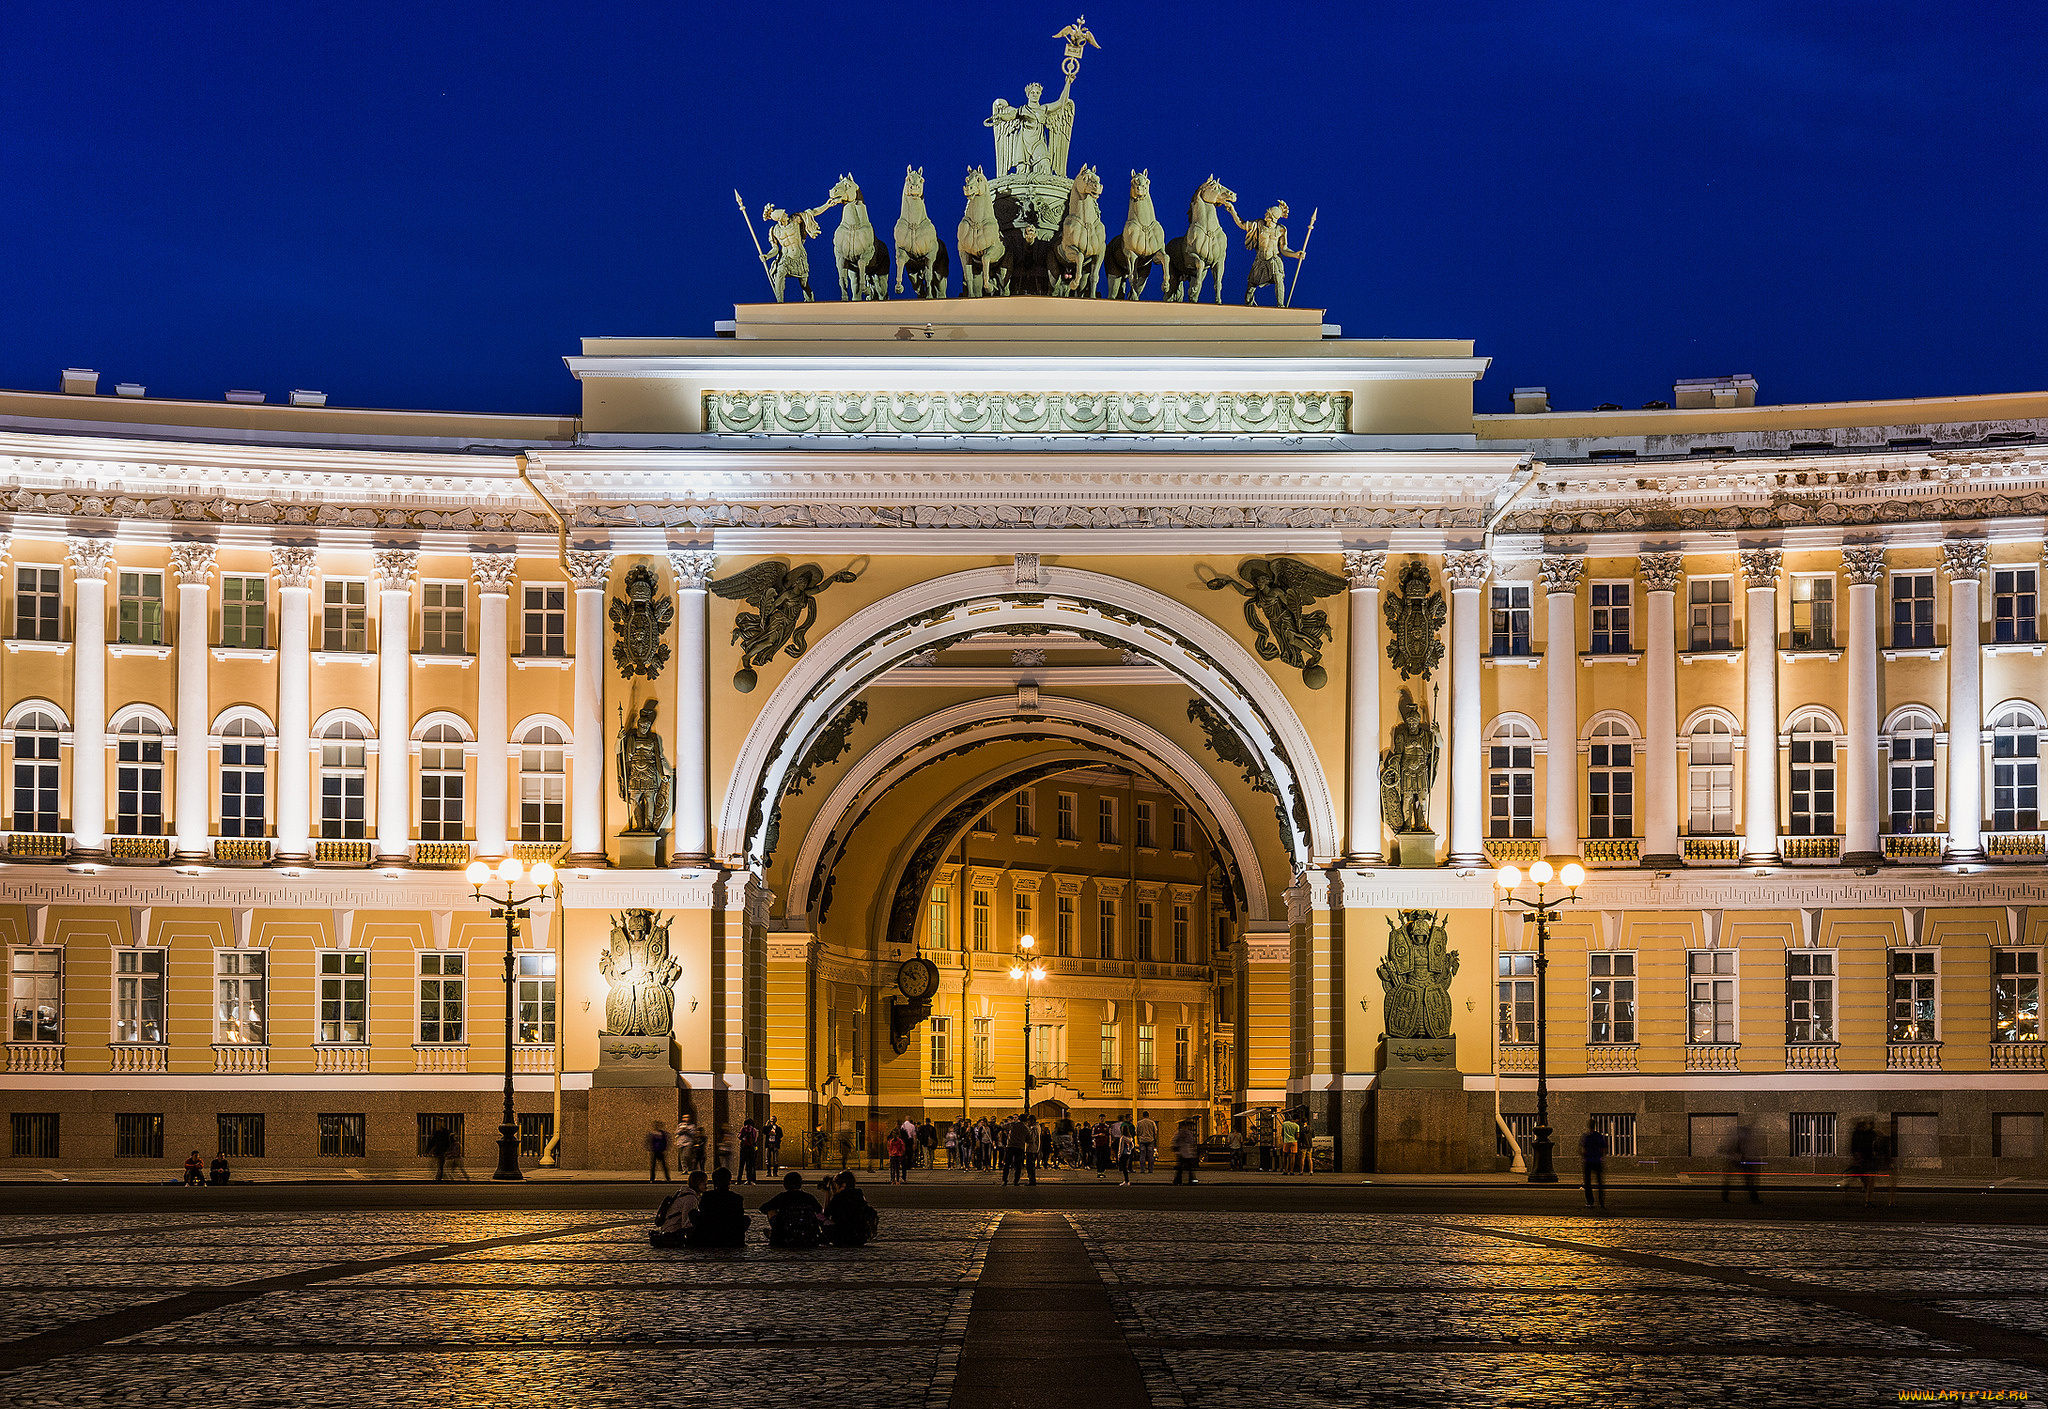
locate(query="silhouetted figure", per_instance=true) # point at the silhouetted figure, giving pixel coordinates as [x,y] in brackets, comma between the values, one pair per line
[721,1218]
[1743,1161]
[1593,1155]
[794,1216]
[850,1220]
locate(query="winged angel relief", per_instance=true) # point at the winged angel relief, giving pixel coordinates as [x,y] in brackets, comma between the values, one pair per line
[785,605]
[1278,593]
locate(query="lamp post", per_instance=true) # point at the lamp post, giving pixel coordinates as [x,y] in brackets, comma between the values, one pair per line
[1027,971]
[1571,876]
[510,908]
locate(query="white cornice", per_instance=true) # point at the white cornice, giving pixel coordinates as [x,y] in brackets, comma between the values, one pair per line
[1027,372]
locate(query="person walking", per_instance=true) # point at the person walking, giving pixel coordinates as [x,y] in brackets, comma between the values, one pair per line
[1185,1147]
[952,1147]
[1100,1137]
[1148,1140]
[1126,1151]
[750,1151]
[1742,1162]
[1034,1140]
[438,1143]
[1863,1158]
[897,1175]
[657,1153]
[1593,1160]
[928,1144]
[689,1144]
[771,1145]
[1236,1149]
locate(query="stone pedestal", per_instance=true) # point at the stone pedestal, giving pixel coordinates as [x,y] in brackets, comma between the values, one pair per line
[642,851]
[633,1061]
[620,1119]
[1415,848]
[1418,1109]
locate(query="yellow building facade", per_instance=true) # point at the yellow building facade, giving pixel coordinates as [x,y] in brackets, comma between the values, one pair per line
[272,675]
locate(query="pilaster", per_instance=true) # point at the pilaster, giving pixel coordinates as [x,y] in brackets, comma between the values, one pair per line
[1365,832]
[1760,567]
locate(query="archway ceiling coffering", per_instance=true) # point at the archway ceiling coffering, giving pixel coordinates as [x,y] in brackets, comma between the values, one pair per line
[1213,663]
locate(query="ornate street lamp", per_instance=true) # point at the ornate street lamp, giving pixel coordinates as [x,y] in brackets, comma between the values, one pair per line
[1571,875]
[511,909]
[1027,971]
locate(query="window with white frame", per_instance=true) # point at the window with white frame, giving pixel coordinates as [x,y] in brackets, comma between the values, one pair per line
[1105,821]
[139,778]
[2017,1011]
[241,996]
[1809,996]
[1180,829]
[1916,980]
[1141,821]
[1611,781]
[38,800]
[139,995]
[984,1049]
[1813,777]
[543,784]
[1912,610]
[1145,917]
[141,604]
[1025,822]
[1511,780]
[2015,604]
[1180,934]
[1710,995]
[1813,612]
[1064,815]
[1148,1051]
[981,909]
[1183,1053]
[35,995]
[1710,778]
[2015,773]
[343,770]
[940,1039]
[441,977]
[938,918]
[344,996]
[546,619]
[441,783]
[1112,1056]
[244,615]
[1020,918]
[537,999]
[1517,995]
[1511,619]
[1912,773]
[444,618]
[38,603]
[243,763]
[1610,998]
[1709,613]
[344,619]
[985,825]
[1610,623]
[1063,918]
[1105,928]
[1813,1135]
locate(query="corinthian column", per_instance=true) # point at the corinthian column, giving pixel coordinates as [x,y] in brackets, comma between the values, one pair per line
[1660,574]
[1365,831]
[1963,561]
[396,568]
[588,570]
[193,563]
[1466,573]
[493,573]
[693,569]
[1760,706]
[294,568]
[1863,787]
[90,559]
[1561,706]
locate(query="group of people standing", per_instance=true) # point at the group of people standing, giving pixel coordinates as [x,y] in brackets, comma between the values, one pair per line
[753,1144]
[716,1217]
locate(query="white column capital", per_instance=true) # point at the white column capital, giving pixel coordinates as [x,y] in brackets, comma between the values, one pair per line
[493,573]
[694,567]
[1864,565]
[1760,567]
[1963,558]
[1363,567]
[397,569]
[194,562]
[1660,571]
[588,569]
[295,567]
[89,558]
[1465,572]
[1561,574]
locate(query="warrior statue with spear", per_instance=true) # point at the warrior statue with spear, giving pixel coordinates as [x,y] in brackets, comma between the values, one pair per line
[1266,238]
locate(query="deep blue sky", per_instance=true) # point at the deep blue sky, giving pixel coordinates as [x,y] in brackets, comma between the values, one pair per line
[425,205]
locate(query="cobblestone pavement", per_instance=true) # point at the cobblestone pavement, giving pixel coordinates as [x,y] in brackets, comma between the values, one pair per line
[570,1306]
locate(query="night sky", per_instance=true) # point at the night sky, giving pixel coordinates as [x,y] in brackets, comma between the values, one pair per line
[426,205]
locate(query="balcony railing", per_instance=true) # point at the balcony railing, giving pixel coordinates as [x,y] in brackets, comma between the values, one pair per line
[139,1058]
[532,851]
[1813,1056]
[1517,1060]
[1713,1056]
[441,1058]
[1611,851]
[440,855]
[38,846]
[939,1085]
[48,1056]
[2019,1056]
[2016,846]
[241,851]
[535,1060]
[1923,847]
[1048,1071]
[1604,1059]
[1912,1056]
[240,1058]
[139,849]
[1711,851]
[1811,851]
[328,852]
[1187,1088]
[334,1060]
[1518,850]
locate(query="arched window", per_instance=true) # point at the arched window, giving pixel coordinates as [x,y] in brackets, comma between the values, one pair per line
[441,783]
[542,784]
[1511,780]
[1813,777]
[139,779]
[341,780]
[1611,781]
[1912,772]
[241,778]
[2015,772]
[36,799]
[1710,779]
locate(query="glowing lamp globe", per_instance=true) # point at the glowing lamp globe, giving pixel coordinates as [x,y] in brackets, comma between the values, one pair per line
[509,869]
[1573,875]
[1541,873]
[1508,877]
[542,874]
[478,873]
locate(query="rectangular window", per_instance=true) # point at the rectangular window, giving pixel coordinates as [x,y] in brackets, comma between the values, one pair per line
[36,995]
[1710,995]
[139,780]
[1148,1052]
[1025,822]
[1105,821]
[1105,929]
[1813,784]
[342,1136]
[1813,1135]
[1066,830]
[344,620]
[1145,930]
[537,1000]
[38,801]
[1916,973]
[1183,1054]
[138,1136]
[984,1049]
[1112,1060]
[241,1005]
[244,620]
[1064,919]
[1912,610]
[1180,934]
[941,1041]
[1710,782]
[2016,1136]
[1611,998]
[1610,624]
[1180,829]
[441,785]
[432,1122]
[38,598]
[939,913]
[1912,780]
[443,620]
[1517,998]
[2014,604]
[342,771]
[240,1136]
[1809,996]
[1813,613]
[141,609]
[2015,774]
[35,1135]
[1708,612]
[1020,917]
[344,995]
[1142,821]
[2018,1016]
[1620,1130]
[441,997]
[985,825]
[1511,620]
[1511,783]
[139,995]
[981,920]
[1610,784]
[547,620]
[242,765]
[536,1128]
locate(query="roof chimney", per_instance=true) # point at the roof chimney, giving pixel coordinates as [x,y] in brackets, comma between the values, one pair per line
[251,398]
[130,389]
[308,398]
[80,381]
[1700,393]
[1531,399]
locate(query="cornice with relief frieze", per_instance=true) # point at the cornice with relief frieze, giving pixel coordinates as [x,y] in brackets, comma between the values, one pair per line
[1026,412]
[265,889]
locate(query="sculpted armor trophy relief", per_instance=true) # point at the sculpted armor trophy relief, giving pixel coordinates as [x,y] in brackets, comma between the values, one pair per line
[1027,227]
[639,1008]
